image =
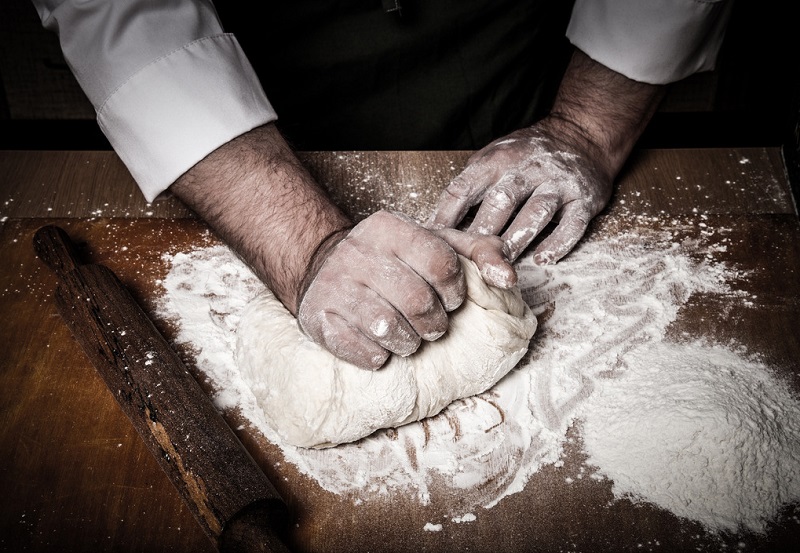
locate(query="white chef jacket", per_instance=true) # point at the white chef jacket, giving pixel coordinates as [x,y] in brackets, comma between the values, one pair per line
[169,86]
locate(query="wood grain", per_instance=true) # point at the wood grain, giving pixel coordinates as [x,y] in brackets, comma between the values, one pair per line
[230,497]
[655,182]
[64,466]
[76,477]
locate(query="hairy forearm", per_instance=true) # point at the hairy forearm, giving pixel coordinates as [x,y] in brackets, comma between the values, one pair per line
[261,201]
[605,108]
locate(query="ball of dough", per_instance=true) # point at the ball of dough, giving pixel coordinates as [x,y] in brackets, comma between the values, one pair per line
[313,399]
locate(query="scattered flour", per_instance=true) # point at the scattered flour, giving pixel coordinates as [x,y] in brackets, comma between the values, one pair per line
[469,517]
[697,429]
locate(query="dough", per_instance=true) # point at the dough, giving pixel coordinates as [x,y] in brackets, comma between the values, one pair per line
[313,399]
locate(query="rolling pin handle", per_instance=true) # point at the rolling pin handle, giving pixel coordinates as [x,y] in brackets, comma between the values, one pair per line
[55,248]
[256,529]
[231,497]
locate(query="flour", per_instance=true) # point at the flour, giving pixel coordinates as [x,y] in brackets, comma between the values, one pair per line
[700,431]
[600,360]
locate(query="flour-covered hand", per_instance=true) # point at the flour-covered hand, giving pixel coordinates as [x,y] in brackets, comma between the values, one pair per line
[382,288]
[524,181]
[562,168]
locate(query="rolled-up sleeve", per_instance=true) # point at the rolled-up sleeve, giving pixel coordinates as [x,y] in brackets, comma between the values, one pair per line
[168,85]
[652,41]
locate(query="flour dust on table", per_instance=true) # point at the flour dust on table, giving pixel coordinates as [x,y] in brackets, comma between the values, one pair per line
[703,430]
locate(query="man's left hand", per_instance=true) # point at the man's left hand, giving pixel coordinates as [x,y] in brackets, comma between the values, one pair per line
[538,174]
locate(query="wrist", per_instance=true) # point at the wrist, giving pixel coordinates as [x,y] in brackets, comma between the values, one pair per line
[315,263]
[603,108]
[262,202]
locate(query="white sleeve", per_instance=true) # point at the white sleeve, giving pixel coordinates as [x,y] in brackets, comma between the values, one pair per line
[652,41]
[168,85]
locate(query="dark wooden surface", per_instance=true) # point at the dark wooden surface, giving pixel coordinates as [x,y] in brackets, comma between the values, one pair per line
[76,477]
[211,470]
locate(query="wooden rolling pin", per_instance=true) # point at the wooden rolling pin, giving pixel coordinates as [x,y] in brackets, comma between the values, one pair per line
[229,495]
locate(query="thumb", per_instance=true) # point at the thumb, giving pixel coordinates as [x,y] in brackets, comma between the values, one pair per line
[487,251]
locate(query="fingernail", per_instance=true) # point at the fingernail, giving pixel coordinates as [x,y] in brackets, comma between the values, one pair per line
[432,336]
[404,348]
[498,276]
[378,361]
[544,258]
[379,328]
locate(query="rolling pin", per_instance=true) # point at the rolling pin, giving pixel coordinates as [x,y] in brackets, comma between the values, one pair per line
[229,495]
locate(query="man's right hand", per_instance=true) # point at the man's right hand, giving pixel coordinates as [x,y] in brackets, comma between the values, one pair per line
[381,289]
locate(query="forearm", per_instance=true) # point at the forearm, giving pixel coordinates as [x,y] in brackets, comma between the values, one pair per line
[604,108]
[261,201]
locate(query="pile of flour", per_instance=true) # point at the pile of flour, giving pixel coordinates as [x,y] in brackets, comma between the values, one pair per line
[696,428]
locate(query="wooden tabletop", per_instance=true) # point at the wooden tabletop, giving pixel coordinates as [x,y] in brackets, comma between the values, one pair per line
[76,477]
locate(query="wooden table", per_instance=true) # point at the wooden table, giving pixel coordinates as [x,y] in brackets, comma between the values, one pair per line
[75,476]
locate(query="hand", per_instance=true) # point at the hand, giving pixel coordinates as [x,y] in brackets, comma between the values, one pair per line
[384,287]
[259,198]
[537,173]
[388,284]
[560,169]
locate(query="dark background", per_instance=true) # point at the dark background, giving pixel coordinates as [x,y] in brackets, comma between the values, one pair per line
[751,99]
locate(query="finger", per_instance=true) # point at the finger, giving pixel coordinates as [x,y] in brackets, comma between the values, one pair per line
[539,210]
[347,343]
[414,298]
[365,314]
[463,192]
[488,254]
[434,261]
[378,320]
[499,204]
[387,241]
[571,228]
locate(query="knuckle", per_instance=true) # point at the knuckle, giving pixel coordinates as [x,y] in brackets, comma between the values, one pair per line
[501,152]
[384,219]
[442,270]
[387,329]
[390,329]
[430,255]
[427,317]
[503,196]
[420,303]
[545,203]
[445,267]
[547,198]
[384,324]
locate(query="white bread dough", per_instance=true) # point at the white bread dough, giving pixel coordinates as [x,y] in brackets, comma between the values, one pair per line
[313,399]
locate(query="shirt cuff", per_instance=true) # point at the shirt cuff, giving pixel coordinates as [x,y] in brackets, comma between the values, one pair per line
[653,41]
[179,108]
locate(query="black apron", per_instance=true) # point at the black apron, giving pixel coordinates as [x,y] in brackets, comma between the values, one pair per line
[443,74]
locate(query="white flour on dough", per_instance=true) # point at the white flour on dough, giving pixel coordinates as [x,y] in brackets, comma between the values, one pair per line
[312,399]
